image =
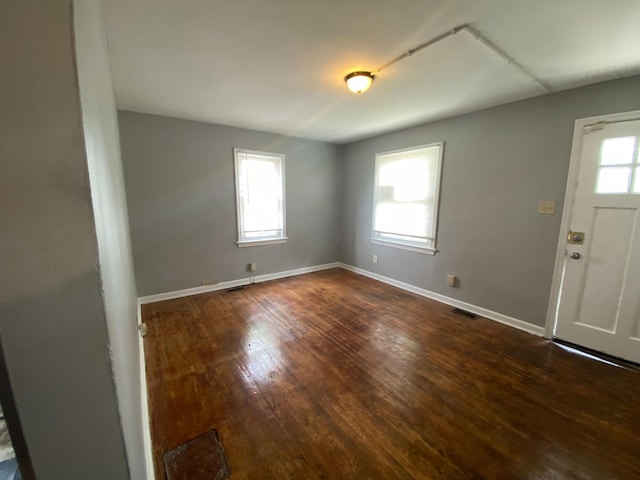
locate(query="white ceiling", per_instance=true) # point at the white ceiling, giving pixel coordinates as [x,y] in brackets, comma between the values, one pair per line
[278,65]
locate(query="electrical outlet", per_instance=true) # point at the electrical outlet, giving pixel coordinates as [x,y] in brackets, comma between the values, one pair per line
[252,267]
[208,283]
[452,280]
[375,259]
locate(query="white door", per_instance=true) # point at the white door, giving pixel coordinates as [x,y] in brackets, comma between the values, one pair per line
[599,301]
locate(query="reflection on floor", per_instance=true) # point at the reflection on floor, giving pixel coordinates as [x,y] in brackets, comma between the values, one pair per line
[8,464]
[332,375]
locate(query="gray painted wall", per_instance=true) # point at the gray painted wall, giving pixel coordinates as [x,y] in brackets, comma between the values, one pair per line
[498,163]
[181,195]
[110,214]
[52,318]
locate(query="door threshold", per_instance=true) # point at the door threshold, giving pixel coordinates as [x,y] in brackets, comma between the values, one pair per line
[595,355]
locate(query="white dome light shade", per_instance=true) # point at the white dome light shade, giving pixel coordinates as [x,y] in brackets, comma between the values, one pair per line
[359,82]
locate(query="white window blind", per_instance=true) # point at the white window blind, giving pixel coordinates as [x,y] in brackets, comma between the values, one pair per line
[260,197]
[406,197]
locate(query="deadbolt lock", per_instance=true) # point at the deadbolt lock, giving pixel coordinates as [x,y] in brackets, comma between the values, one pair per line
[575,238]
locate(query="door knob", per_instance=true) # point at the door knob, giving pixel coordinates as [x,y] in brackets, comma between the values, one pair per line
[576,256]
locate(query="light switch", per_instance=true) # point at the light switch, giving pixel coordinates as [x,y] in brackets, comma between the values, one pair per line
[547,207]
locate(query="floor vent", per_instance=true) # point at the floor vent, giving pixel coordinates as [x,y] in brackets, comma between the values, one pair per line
[235,289]
[464,313]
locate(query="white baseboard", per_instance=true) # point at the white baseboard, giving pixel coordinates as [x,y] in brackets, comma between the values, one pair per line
[146,419]
[187,292]
[234,283]
[297,271]
[483,312]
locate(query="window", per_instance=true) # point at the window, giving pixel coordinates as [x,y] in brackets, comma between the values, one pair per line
[260,197]
[619,169]
[406,198]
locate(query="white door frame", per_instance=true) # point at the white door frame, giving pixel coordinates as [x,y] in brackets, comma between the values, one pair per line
[576,154]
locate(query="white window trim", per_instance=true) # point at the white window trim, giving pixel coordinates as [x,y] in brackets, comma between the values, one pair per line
[404,246]
[432,250]
[259,241]
[266,241]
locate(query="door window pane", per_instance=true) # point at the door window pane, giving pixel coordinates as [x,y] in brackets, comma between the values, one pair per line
[617,151]
[613,180]
[636,183]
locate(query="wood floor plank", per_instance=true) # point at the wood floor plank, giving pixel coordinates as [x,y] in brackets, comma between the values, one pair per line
[332,375]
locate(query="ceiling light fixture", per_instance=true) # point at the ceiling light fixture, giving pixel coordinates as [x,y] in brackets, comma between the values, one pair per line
[359,82]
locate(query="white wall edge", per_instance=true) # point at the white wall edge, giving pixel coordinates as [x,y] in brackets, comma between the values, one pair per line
[146,419]
[297,271]
[483,312]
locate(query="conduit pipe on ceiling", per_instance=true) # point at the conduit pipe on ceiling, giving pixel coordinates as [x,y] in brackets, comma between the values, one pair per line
[483,40]
[424,45]
[502,54]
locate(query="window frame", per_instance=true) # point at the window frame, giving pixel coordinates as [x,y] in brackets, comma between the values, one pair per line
[375,236]
[243,242]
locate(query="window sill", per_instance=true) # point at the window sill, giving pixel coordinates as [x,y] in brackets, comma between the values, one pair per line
[403,246]
[255,243]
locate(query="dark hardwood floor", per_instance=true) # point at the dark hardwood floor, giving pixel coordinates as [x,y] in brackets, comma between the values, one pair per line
[336,376]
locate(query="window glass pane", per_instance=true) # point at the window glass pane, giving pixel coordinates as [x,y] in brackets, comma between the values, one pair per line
[406,179]
[613,180]
[636,182]
[262,201]
[403,219]
[617,151]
